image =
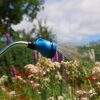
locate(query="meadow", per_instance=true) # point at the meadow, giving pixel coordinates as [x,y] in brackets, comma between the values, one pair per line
[51,80]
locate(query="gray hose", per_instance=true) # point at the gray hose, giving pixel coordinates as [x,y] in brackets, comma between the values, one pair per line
[12,44]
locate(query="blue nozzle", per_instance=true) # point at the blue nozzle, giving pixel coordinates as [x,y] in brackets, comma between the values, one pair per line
[46,48]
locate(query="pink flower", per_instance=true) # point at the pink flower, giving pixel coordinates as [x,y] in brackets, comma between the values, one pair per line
[80,93]
[35,56]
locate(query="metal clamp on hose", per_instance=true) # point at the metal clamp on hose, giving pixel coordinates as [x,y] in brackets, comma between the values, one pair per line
[32,45]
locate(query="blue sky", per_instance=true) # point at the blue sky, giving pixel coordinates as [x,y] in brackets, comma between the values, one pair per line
[70,20]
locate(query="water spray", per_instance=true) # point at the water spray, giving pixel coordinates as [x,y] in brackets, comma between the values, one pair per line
[45,47]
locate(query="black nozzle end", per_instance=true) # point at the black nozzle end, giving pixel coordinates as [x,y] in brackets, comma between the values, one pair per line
[31,45]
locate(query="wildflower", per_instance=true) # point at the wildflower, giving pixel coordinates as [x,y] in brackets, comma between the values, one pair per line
[13,79]
[34,69]
[53,59]
[46,79]
[19,78]
[29,66]
[97,63]
[51,98]
[60,98]
[56,56]
[31,82]
[35,56]
[63,58]
[98,84]
[81,93]
[35,85]
[84,98]
[3,79]
[96,70]
[92,92]
[92,78]
[57,64]
[58,76]
[14,71]
[28,74]
[12,93]
[3,88]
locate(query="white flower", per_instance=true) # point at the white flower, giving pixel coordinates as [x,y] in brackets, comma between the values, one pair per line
[12,93]
[51,98]
[96,70]
[3,79]
[92,92]
[3,88]
[97,63]
[98,83]
[60,98]
[84,98]
[58,76]
[57,64]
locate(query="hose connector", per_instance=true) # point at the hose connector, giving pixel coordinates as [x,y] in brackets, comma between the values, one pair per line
[46,48]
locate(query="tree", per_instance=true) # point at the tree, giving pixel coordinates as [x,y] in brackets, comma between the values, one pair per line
[43,31]
[12,11]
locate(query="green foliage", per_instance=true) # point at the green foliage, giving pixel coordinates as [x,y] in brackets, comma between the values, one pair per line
[44,31]
[93,45]
[12,11]
[17,56]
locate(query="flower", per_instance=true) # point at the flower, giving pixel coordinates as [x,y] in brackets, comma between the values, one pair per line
[84,98]
[60,98]
[3,79]
[14,71]
[35,56]
[97,63]
[46,79]
[29,67]
[81,93]
[63,58]
[56,56]
[57,64]
[92,92]
[33,70]
[35,85]
[3,88]
[51,98]
[12,93]
[58,76]
[92,78]
[96,70]
[98,84]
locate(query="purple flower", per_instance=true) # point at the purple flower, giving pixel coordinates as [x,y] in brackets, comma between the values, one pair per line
[56,56]
[8,37]
[35,56]
[63,58]
[53,59]
[14,71]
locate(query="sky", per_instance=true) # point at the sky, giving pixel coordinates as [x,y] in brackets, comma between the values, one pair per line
[76,21]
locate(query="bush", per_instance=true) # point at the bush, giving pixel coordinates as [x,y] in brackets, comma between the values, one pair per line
[17,56]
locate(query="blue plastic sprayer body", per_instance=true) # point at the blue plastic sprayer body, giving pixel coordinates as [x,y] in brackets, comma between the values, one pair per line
[45,47]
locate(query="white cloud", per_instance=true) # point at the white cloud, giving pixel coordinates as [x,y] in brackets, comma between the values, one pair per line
[72,20]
